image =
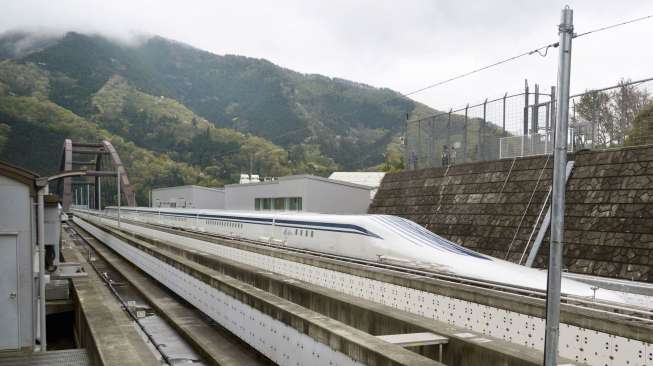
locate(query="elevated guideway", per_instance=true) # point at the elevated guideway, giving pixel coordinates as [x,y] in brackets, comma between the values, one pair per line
[283,331]
[496,322]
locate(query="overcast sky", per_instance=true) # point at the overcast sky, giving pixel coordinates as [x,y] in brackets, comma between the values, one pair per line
[403,45]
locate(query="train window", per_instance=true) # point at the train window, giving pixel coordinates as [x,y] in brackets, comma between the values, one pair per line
[296,231]
[312,233]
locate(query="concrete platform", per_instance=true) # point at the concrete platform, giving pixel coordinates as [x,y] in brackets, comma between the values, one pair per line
[103,327]
[72,357]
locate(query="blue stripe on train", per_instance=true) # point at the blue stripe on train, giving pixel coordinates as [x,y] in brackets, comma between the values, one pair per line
[320,226]
[412,231]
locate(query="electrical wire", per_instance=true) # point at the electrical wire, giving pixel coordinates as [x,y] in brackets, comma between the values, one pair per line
[537,50]
[541,51]
[613,26]
[528,53]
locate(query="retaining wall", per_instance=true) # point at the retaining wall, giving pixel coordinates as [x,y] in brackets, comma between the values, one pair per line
[492,207]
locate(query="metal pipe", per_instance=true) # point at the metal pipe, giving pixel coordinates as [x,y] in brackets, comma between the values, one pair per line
[481,133]
[41,250]
[504,115]
[406,148]
[552,331]
[465,133]
[525,108]
[536,107]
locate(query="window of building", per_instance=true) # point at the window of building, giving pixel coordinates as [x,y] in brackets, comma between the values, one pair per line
[278,204]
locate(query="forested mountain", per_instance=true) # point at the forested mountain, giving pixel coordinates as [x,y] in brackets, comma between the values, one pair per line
[205,114]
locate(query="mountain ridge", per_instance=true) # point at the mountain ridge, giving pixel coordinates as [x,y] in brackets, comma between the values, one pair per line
[214,114]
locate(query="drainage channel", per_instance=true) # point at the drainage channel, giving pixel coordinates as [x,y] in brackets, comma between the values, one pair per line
[168,346]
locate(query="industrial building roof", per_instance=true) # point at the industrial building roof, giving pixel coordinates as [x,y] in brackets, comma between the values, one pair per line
[302,176]
[370,179]
[190,186]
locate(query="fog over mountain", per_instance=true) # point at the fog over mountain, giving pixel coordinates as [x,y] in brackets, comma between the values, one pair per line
[403,46]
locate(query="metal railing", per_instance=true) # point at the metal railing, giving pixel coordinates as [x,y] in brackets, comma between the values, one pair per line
[529,145]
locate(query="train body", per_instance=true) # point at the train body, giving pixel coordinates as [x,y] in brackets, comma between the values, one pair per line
[369,237]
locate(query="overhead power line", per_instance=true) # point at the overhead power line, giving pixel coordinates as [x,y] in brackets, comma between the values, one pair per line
[613,26]
[537,50]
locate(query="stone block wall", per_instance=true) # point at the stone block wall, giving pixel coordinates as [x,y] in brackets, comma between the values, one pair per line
[493,207]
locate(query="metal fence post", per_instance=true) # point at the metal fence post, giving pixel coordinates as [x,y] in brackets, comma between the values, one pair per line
[465,133]
[419,144]
[449,127]
[505,96]
[595,118]
[525,107]
[431,142]
[406,145]
[481,134]
[566,31]
[535,119]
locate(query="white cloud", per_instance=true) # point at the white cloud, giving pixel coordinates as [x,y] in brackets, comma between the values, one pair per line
[402,45]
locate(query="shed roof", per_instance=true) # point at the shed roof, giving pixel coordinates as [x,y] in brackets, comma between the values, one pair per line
[301,177]
[19,174]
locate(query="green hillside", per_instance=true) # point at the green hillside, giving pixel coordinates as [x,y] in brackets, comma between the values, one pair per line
[188,115]
[344,118]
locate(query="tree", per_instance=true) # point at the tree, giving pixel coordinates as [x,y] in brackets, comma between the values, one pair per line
[607,116]
[642,129]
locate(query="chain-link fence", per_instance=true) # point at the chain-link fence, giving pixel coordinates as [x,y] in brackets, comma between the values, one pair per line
[613,116]
[472,133]
[522,124]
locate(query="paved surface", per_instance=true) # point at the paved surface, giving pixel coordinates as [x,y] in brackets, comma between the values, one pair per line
[72,357]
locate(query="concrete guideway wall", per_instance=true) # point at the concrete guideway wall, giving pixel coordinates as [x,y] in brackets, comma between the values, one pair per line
[492,207]
[586,336]
[285,332]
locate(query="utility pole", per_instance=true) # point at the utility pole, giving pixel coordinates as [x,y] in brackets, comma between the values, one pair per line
[552,332]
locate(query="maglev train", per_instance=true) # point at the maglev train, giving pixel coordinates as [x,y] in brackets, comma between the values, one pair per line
[370,237]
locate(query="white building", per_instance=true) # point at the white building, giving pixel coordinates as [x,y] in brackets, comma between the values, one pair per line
[370,179]
[189,197]
[306,193]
